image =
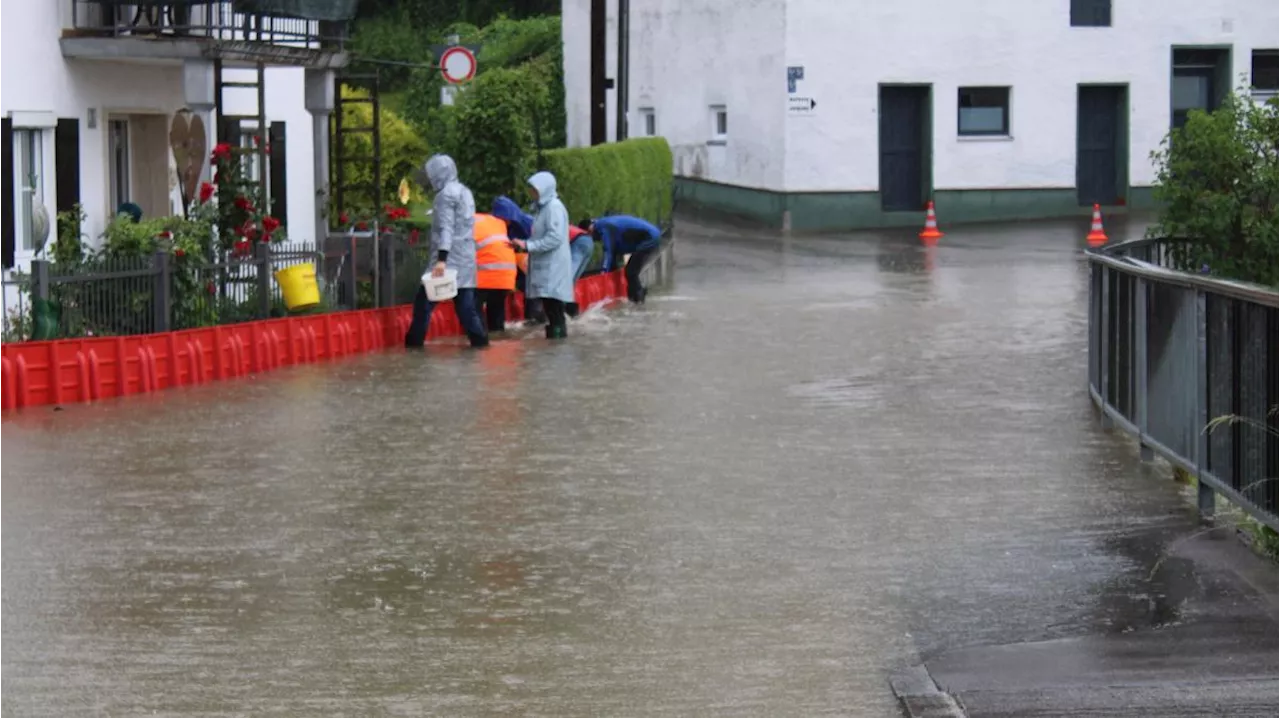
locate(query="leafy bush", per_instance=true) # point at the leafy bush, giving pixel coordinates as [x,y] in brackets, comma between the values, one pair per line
[532,46]
[630,177]
[493,133]
[403,151]
[1217,185]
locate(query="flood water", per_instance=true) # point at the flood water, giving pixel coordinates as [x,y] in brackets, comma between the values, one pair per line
[807,463]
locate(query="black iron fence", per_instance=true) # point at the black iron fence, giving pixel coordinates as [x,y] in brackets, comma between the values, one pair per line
[220,21]
[1187,364]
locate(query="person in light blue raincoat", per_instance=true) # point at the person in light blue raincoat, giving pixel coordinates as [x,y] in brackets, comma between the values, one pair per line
[550,262]
[520,226]
[453,247]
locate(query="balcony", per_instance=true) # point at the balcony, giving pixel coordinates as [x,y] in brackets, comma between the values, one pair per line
[193,29]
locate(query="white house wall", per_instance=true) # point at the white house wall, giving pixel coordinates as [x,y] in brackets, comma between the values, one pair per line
[35,77]
[285,89]
[689,54]
[1028,46]
[680,69]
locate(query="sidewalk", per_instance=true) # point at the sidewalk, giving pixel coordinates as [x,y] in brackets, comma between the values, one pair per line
[1208,648]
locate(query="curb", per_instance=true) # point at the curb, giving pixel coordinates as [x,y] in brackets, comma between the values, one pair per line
[920,696]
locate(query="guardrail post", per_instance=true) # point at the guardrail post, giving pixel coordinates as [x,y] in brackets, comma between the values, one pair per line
[1205,494]
[40,279]
[349,274]
[262,258]
[161,302]
[387,272]
[1104,344]
[1140,372]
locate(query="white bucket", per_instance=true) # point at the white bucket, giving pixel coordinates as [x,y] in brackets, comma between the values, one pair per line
[441,289]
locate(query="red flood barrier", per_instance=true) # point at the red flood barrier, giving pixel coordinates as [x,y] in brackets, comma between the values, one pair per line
[83,370]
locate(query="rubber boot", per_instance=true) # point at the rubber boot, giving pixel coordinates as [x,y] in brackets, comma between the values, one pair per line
[478,341]
[557,331]
[571,310]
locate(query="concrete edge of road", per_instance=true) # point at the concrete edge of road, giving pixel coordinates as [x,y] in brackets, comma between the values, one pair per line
[920,696]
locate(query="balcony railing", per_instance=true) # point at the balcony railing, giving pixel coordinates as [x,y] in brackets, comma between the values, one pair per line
[188,19]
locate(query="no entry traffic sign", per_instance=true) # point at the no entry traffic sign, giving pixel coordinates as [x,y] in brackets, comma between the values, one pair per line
[457,65]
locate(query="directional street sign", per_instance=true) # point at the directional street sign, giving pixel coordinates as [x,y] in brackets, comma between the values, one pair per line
[457,65]
[801,106]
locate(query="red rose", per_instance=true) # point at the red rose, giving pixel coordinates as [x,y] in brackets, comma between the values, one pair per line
[206,192]
[344,219]
[211,288]
[221,151]
[268,149]
[270,224]
[361,226]
[179,252]
[257,140]
[244,204]
[413,236]
[166,235]
[242,248]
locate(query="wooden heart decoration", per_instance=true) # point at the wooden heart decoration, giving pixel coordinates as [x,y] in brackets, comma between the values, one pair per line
[190,144]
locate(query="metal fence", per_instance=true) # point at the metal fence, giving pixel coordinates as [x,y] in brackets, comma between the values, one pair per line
[1187,364]
[141,295]
[221,21]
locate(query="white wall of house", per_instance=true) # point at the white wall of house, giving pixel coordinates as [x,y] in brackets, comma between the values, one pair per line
[687,55]
[40,86]
[285,88]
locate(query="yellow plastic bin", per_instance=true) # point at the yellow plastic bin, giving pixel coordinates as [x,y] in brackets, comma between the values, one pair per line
[299,287]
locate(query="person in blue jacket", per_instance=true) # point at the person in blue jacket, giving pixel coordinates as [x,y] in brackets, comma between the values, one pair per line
[519,226]
[550,262]
[623,234]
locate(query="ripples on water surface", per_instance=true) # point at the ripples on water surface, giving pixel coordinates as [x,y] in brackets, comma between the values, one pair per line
[810,462]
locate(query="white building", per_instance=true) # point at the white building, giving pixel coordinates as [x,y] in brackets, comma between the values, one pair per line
[830,114]
[91,90]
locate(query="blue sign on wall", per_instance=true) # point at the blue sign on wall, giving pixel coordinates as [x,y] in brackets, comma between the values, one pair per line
[794,73]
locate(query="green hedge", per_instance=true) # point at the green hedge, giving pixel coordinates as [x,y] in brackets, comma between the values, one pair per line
[630,177]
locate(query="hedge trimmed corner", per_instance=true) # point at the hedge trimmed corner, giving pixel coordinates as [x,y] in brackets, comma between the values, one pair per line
[629,177]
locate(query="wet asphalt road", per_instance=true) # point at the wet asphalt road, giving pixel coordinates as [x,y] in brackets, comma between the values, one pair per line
[809,462]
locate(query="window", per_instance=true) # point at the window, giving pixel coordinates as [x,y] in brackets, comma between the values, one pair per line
[1265,77]
[650,121]
[1090,13]
[719,123]
[250,137]
[1199,75]
[30,183]
[984,111]
[118,143]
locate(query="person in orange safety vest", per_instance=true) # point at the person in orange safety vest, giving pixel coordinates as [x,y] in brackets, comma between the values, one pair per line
[495,269]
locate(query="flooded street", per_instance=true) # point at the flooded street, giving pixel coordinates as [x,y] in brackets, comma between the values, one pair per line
[807,463]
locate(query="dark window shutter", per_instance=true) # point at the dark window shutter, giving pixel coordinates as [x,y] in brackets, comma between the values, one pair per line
[66,140]
[10,232]
[278,173]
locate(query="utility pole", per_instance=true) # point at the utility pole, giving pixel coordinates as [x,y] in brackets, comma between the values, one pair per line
[624,66]
[599,134]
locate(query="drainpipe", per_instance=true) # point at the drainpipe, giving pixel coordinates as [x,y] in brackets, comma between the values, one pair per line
[624,66]
[598,83]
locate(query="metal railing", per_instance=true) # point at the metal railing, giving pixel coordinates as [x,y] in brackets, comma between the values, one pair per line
[218,21]
[1187,364]
[142,295]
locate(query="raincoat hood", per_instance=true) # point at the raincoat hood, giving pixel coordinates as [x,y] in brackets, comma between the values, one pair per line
[506,209]
[441,171]
[545,183]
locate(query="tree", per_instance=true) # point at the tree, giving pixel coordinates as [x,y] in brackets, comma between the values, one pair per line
[1217,187]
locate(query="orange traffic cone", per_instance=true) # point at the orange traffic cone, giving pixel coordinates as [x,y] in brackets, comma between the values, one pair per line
[1096,236]
[930,233]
